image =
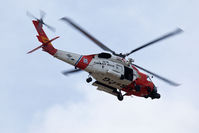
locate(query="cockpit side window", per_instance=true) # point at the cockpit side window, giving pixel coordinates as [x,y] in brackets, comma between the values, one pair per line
[104,55]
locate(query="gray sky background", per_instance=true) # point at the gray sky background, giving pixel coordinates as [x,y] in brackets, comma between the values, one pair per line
[36,97]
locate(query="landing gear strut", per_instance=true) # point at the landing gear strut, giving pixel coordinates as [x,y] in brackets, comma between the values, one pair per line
[89,79]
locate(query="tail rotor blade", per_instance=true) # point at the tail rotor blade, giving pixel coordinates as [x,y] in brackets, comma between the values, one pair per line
[49,27]
[42,14]
[31,15]
[41,22]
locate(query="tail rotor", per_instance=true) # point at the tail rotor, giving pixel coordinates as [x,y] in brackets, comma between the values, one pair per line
[41,22]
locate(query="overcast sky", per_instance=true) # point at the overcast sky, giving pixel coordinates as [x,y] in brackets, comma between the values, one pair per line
[36,98]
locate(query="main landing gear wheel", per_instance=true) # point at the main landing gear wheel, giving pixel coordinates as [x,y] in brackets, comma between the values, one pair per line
[120,97]
[88,80]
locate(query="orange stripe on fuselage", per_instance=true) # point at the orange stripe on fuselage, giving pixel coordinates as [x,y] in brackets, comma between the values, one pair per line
[84,61]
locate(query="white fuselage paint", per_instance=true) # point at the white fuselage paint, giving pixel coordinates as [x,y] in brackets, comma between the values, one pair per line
[109,72]
[68,57]
[106,71]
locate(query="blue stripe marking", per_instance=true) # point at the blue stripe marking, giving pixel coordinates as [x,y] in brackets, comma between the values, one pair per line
[78,60]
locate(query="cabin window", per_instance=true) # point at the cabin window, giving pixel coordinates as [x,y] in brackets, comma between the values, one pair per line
[104,55]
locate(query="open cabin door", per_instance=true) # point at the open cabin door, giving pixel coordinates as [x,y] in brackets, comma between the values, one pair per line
[128,73]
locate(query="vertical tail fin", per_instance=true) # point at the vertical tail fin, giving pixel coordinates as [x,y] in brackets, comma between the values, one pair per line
[42,37]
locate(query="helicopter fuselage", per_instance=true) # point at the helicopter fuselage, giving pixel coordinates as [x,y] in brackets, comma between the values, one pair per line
[112,73]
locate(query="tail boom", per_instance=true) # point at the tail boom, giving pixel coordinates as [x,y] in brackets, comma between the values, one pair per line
[74,59]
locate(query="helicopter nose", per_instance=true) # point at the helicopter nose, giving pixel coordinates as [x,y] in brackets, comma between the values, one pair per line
[157,95]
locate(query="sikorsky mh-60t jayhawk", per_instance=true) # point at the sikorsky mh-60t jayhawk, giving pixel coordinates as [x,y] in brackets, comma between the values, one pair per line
[112,72]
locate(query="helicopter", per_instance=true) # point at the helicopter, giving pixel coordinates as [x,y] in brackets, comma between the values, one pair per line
[113,73]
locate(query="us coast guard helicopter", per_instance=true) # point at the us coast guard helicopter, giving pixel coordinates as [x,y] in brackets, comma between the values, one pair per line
[113,74]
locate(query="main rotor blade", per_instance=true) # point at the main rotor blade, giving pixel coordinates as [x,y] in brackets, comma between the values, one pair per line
[84,32]
[175,32]
[66,73]
[42,14]
[158,76]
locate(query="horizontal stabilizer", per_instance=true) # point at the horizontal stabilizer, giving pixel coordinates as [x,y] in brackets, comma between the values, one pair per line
[44,44]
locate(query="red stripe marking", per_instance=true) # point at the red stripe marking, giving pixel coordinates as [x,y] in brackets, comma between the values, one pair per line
[85,61]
